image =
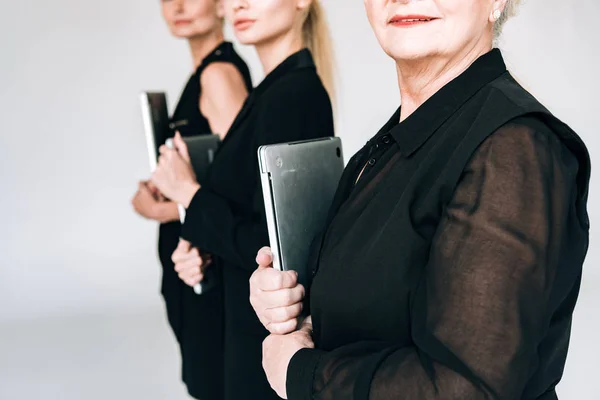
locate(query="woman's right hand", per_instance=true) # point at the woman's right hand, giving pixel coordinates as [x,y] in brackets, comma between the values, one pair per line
[276,296]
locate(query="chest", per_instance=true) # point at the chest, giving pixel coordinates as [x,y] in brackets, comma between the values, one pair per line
[376,248]
[234,172]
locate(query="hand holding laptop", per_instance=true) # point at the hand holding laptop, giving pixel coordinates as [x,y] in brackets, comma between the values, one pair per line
[174,175]
[190,263]
[275,295]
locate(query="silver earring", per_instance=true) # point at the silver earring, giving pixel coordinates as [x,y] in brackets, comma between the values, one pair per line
[496,15]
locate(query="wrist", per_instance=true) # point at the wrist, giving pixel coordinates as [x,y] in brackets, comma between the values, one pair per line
[188,191]
[164,212]
[156,211]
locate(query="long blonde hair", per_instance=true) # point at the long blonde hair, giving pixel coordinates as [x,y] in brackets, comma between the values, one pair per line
[316,37]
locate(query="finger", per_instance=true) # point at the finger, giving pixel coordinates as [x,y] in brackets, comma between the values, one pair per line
[151,187]
[187,264]
[193,264]
[193,281]
[270,279]
[186,245]
[181,251]
[163,149]
[307,325]
[181,147]
[264,258]
[144,189]
[283,298]
[283,314]
[182,256]
[189,274]
[282,328]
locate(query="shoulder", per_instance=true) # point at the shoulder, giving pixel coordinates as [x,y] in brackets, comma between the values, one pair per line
[527,144]
[219,75]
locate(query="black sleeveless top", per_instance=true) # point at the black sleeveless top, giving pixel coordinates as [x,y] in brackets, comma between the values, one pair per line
[187,118]
[189,121]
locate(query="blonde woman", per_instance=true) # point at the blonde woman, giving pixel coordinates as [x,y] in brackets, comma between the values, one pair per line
[452,262]
[225,216]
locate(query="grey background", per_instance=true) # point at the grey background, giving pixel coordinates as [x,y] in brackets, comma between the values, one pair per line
[79,303]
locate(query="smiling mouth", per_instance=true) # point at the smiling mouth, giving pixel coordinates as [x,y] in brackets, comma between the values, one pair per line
[410,20]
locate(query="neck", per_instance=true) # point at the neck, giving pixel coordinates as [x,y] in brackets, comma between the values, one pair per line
[420,79]
[274,52]
[202,45]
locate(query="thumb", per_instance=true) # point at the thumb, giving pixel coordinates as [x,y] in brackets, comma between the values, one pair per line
[264,258]
[307,325]
[181,147]
[184,245]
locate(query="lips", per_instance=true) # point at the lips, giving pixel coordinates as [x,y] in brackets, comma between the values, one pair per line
[407,20]
[243,23]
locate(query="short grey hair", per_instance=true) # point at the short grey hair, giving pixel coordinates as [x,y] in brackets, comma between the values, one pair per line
[510,10]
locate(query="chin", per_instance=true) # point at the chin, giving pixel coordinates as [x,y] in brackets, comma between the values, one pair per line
[246,38]
[407,52]
[181,33]
[250,37]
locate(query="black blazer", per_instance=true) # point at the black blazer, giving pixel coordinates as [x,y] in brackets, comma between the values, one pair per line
[226,217]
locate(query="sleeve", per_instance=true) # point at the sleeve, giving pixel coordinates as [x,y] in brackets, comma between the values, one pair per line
[212,223]
[485,299]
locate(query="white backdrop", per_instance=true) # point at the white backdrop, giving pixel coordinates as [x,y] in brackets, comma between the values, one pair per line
[72,149]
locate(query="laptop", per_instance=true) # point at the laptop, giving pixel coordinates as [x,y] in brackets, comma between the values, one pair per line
[201,149]
[156,123]
[299,180]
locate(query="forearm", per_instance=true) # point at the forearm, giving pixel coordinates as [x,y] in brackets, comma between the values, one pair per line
[214,226]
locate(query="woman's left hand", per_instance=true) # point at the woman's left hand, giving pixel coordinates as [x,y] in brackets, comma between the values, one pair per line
[278,351]
[174,176]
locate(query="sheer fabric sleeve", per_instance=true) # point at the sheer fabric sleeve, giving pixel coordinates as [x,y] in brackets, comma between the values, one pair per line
[484,301]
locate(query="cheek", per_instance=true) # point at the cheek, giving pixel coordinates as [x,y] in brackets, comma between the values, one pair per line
[166,13]
[204,10]
[272,9]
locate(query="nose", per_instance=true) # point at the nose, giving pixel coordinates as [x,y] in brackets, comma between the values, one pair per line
[238,4]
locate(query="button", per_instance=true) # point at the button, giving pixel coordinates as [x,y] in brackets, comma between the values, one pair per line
[218,52]
[386,139]
[372,162]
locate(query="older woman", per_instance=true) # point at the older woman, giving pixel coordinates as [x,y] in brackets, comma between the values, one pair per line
[451,261]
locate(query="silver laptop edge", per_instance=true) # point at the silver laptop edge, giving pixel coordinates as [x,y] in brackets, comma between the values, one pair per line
[265,178]
[148,130]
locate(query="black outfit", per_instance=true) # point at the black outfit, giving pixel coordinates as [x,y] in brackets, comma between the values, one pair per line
[226,217]
[197,321]
[450,270]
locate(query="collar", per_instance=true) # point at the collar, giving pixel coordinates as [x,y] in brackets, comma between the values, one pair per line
[414,131]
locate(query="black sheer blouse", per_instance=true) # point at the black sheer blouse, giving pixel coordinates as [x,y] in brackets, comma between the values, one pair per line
[450,270]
